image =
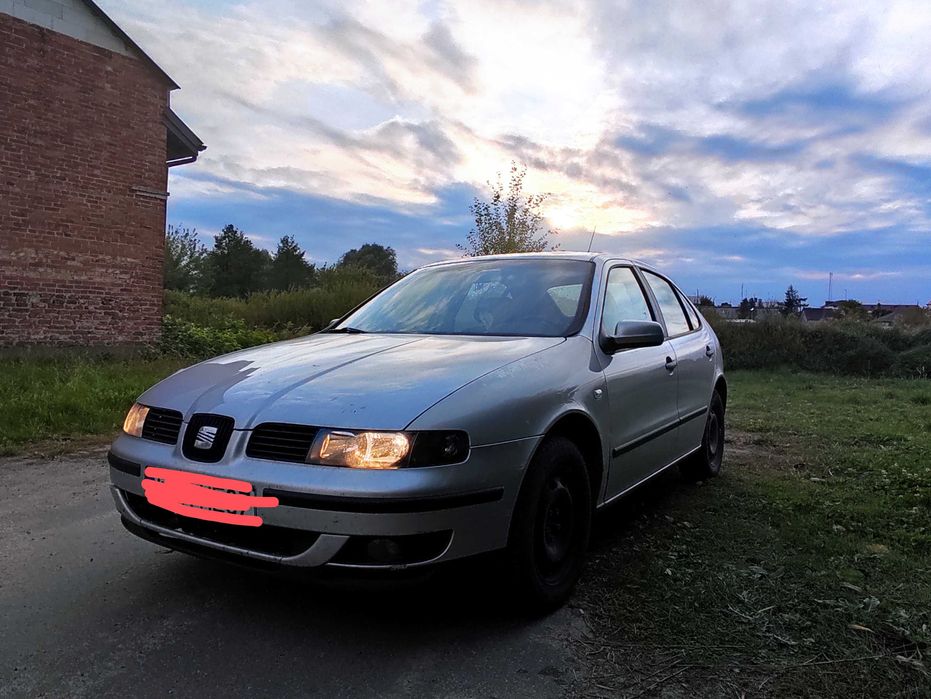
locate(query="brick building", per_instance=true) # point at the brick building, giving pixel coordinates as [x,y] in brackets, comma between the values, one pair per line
[86,138]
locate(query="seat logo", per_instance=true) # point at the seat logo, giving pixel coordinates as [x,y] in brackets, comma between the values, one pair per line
[205,437]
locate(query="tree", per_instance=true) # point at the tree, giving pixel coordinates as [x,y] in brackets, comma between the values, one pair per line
[705,301]
[289,269]
[381,261]
[184,258]
[748,307]
[235,267]
[508,222]
[794,303]
[852,310]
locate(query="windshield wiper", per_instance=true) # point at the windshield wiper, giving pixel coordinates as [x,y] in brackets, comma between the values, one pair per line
[347,330]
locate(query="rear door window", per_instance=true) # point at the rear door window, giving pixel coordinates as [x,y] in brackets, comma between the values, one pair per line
[669,304]
[693,314]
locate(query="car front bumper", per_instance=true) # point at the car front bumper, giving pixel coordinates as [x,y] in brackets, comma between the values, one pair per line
[330,517]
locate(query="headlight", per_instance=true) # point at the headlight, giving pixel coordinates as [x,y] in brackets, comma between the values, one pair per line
[135,418]
[378,450]
[388,450]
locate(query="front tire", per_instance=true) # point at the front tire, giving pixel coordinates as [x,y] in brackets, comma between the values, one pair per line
[706,462]
[550,527]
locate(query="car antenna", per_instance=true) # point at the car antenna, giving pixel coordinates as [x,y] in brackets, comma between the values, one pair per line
[592,239]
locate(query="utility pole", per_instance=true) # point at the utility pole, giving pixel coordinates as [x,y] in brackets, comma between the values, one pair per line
[830,286]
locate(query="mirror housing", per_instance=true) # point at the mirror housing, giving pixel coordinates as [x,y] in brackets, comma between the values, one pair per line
[331,324]
[633,333]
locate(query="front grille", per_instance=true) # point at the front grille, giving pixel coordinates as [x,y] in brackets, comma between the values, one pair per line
[217,430]
[277,541]
[162,425]
[280,441]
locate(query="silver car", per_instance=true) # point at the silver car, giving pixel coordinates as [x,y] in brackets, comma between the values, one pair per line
[488,404]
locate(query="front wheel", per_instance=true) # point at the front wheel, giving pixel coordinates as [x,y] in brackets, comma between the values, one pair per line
[550,526]
[706,462]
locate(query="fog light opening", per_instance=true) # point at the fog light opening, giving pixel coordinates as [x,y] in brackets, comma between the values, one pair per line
[384,551]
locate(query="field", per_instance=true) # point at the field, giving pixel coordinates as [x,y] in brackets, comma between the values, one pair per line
[805,569]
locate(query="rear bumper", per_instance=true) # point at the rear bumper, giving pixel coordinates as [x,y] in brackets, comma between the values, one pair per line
[333,517]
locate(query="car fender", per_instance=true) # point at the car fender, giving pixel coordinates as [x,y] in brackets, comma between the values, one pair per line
[526,398]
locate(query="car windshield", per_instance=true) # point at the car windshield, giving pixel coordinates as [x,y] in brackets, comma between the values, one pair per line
[545,297]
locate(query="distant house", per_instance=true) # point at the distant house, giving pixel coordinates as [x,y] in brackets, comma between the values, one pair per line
[817,315]
[889,315]
[88,135]
[769,309]
[726,311]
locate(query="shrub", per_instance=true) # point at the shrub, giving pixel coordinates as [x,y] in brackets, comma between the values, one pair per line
[288,312]
[914,363]
[840,347]
[769,343]
[865,356]
[181,338]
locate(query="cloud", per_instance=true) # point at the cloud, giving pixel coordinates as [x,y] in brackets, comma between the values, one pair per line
[737,139]
[846,276]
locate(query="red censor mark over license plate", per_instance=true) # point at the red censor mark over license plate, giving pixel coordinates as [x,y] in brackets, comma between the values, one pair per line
[204,497]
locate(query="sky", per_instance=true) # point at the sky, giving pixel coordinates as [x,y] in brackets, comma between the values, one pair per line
[736,146]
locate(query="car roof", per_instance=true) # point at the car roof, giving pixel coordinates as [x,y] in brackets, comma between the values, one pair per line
[551,254]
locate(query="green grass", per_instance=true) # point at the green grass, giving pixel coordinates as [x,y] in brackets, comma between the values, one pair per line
[804,570]
[52,403]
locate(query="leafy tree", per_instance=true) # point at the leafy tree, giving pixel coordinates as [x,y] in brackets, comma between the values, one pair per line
[852,310]
[794,302]
[184,258]
[381,261]
[705,301]
[289,269]
[235,267]
[748,306]
[510,221]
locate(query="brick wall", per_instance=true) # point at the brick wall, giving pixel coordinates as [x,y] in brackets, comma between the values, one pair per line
[81,250]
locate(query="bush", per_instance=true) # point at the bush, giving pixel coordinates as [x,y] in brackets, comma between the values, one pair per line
[866,356]
[287,312]
[840,347]
[181,338]
[770,343]
[914,363]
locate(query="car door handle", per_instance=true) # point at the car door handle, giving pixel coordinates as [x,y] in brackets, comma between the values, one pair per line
[670,364]
[709,351]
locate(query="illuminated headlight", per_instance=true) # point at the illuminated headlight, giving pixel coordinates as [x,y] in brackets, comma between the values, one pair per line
[135,418]
[376,450]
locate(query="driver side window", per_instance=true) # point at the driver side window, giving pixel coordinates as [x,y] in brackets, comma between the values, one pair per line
[624,300]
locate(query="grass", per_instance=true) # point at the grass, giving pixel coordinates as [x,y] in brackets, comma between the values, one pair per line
[804,570]
[54,404]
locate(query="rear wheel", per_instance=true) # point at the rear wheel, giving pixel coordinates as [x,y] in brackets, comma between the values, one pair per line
[706,462]
[550,526]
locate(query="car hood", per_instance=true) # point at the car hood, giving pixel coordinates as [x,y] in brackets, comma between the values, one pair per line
[333,380]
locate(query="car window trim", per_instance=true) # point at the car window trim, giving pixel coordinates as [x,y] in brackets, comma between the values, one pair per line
[675,292]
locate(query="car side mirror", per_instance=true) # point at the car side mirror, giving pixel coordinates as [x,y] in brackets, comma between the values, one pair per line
[331,324]
[634,333]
